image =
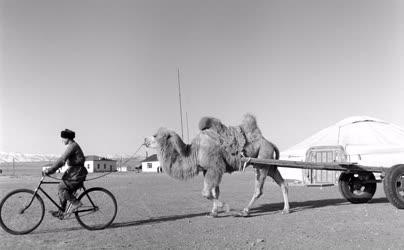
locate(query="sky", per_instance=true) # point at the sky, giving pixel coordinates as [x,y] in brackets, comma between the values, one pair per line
[108,69]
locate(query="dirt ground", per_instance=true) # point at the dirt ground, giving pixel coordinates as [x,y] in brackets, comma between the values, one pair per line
[157,212]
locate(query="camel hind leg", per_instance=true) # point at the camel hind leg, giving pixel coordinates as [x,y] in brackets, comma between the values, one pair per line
[260,176]
[276,175]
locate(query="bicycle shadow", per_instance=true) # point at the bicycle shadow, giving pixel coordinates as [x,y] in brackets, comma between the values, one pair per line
[295,207]
[58,230]
[149,221]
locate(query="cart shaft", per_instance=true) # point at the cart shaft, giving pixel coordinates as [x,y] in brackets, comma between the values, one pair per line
[336,166]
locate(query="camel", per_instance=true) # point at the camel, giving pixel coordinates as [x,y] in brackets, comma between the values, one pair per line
[216,150]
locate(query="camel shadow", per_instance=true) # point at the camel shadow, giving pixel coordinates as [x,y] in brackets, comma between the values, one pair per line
[162,219]
[155,220]
[271,208]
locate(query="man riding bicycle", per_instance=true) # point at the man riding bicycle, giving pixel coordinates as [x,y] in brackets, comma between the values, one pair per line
[74,176]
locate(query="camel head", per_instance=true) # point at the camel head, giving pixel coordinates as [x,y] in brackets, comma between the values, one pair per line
[174,155]
[167,141]
[158,139]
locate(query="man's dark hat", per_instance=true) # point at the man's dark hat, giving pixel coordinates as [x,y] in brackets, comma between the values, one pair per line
[67,134]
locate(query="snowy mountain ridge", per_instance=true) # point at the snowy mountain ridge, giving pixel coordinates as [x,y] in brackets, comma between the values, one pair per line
[21,157]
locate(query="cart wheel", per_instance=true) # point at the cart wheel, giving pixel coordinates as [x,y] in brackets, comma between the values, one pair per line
[393,184]
[357,187]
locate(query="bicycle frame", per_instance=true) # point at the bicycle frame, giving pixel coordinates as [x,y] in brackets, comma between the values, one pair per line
[90,204]
[39,188]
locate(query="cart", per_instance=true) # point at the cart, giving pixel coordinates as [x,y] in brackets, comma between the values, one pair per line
[356,183]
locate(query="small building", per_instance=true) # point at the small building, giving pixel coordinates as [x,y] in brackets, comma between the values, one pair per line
[122,169]
[151,164]
[95,163]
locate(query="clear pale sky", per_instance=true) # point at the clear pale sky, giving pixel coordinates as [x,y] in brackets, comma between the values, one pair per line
[108,69]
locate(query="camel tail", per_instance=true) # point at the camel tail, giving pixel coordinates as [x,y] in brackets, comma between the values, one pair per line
[277,154]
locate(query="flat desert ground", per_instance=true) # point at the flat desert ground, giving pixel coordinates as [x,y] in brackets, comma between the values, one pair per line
[158,212]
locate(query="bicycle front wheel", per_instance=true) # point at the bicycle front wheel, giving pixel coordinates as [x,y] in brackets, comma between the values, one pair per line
[99,209]
[21,211]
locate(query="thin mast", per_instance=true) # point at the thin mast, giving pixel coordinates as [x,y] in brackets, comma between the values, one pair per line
[186,114]
[179,95]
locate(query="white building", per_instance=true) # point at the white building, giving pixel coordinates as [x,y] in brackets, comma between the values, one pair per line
[151,164]
[95,163]
[122,169]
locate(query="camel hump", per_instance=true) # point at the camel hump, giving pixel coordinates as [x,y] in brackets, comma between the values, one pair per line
[205,123]
[249,122]
[210,122]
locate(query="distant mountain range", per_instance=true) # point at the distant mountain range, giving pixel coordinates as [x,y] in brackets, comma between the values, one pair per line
[21,157]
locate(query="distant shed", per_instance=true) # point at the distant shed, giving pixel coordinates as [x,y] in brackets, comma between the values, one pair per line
[151,164]
[122,169]
[95,163]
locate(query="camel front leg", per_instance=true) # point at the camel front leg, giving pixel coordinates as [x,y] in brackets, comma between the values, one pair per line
[260,176]
[217,204]
[211,191]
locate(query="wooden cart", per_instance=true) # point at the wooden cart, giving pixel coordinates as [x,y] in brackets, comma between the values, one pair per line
[356,183]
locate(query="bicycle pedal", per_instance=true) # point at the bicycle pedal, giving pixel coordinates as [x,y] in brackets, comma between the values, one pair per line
[67,215]
[57,214]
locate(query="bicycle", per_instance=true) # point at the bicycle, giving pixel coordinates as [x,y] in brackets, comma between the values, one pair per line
[22,210]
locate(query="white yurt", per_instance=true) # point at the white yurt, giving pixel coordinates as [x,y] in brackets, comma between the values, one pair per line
[367,141]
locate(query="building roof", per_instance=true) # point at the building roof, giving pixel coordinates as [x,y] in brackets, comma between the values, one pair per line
[151,158]
[97,158]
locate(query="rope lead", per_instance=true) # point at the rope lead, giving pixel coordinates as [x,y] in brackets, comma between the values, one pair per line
[106,173]
[246,163]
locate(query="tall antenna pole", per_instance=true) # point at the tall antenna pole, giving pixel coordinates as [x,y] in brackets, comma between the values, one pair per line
[186,114]
[179,95]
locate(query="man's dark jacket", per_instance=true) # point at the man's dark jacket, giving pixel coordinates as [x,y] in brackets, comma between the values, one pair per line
[74,157]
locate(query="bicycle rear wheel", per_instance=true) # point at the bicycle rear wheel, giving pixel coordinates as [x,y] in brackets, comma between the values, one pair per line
[99,209]
[21,212]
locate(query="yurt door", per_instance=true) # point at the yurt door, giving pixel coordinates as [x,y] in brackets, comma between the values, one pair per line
[323,154]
